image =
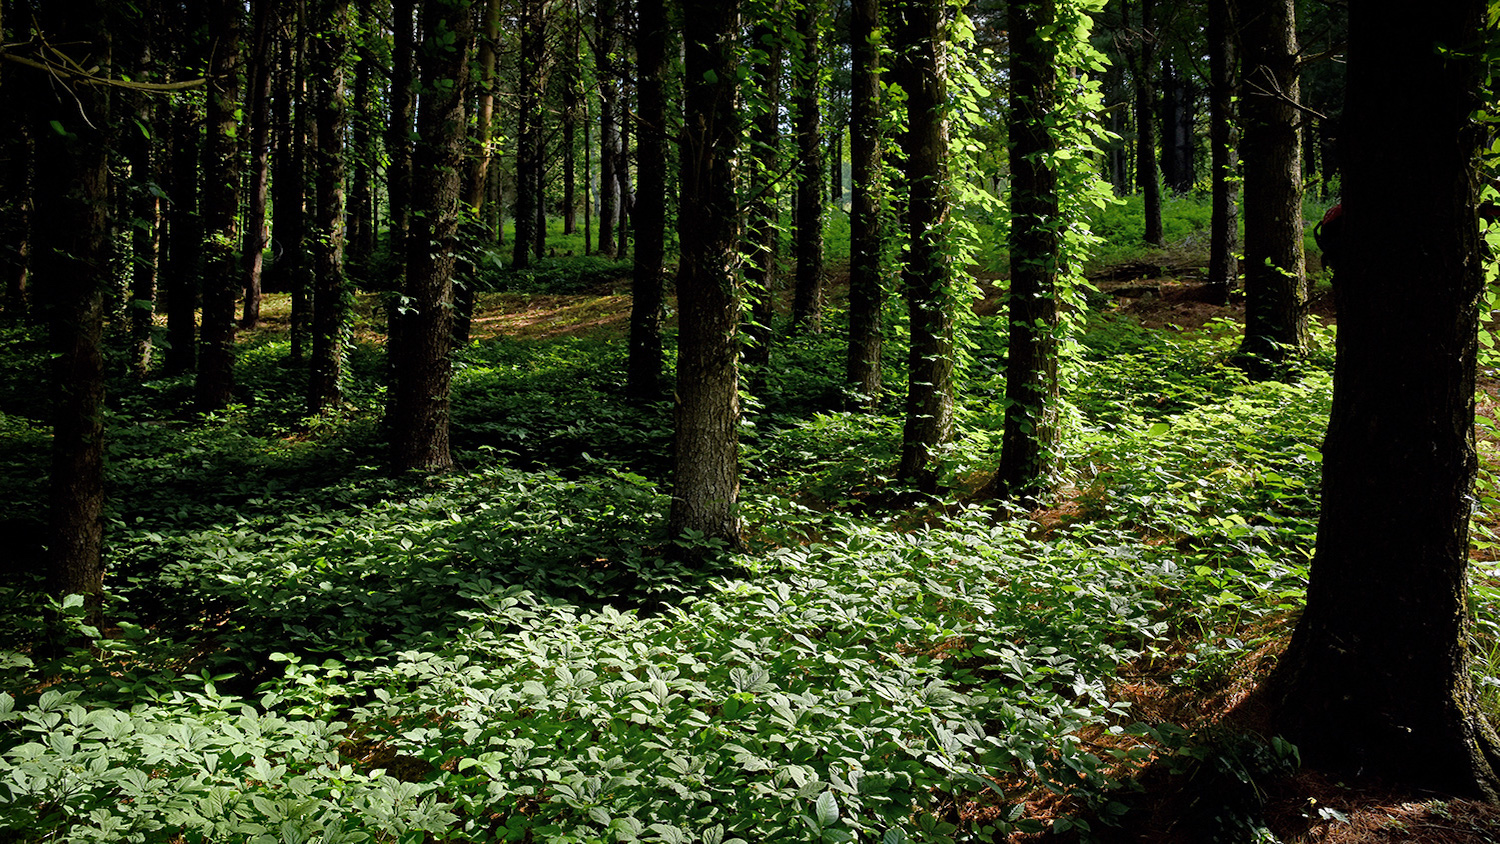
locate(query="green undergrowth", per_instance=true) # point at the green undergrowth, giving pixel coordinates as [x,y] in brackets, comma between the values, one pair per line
[302,647]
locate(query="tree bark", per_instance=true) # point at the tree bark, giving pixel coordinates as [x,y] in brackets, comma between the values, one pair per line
[398,145]
[1376,680]
[919,43]
[528,134]
[476,186]
[330,310]
[221,206]
[807,297]
[705,486]
[609,129]
[360,224]
[259,80]
[1027,462]
[419,413]
[1224,138]
[1275,277]
[15,215]
[183,267]
[866,238]
[648,299]
[145,223]
[72,270]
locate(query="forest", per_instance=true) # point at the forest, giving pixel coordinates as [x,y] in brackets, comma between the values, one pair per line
[737,421]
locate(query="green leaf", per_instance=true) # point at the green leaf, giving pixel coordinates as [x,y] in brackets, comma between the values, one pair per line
[827,809]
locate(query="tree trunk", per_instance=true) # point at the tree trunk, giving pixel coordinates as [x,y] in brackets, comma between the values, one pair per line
[72,269]
[528,133]
[807,297]
[476,187]
[419,413]
[330,310]
[221,206]
[705,486]
[1275,278]
[1377,680]
[866,284]
[648,299]
[185,239]
[16,214]
[1145,125]
[928,278]
[609,130]
[145,224]
[1027,461]
[622,181]
[361,224]
[398,145]
[763,231]
[259,79]
[1224,137]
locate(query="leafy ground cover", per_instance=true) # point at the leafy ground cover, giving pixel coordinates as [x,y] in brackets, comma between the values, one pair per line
[305,648]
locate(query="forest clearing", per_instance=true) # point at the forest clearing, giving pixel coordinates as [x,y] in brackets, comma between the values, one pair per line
[741,421]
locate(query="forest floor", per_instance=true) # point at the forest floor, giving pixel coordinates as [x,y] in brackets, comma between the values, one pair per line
[1307,808]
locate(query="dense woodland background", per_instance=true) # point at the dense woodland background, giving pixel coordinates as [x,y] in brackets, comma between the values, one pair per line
[763,420]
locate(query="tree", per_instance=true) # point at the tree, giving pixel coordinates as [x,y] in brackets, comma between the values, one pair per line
[528,132]
[289,176]
[1031,388]
[361,155]
[866,237]
[1376,679]
[258,78]
[1145,122]
[221,206]
[330,310]
[1275,279]
[1224,136]
[71,262]
[762,245]
[648,293]
[919,41]
[807,85]
[606,46]
[419,410]
[705,454]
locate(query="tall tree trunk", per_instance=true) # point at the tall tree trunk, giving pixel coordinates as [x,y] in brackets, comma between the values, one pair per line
[528,133]
[185,239]
[259,80]
[1275,278]
[293,270]
[866,284]
[221,206]
[705,460]
[1027,462]
[763,226]
[571,95]
[648,293]
[1377,681]
[588,178]
[1224,137]
[146,220]
[419,412]
[330,310]
[835,163]
[609,129]
[807,297]
[622,178]
[72,270]
[361,223]
[1145,125]
[476,187]
[398,145]
[919,39]
[15,215]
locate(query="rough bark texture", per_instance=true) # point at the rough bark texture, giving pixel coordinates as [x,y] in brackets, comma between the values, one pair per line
[762,233]
[221,206]
[1275,277]
[866,284]
[330,311]
[259,113]
[1376,680]
[360,224]
[1026,448]
[477,178]
[919,45]
[145,227]
[290,266]
[807,296]
[1224,138]
[419,413]
[398,134]
[72,270]
[647,304]
[705,460]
